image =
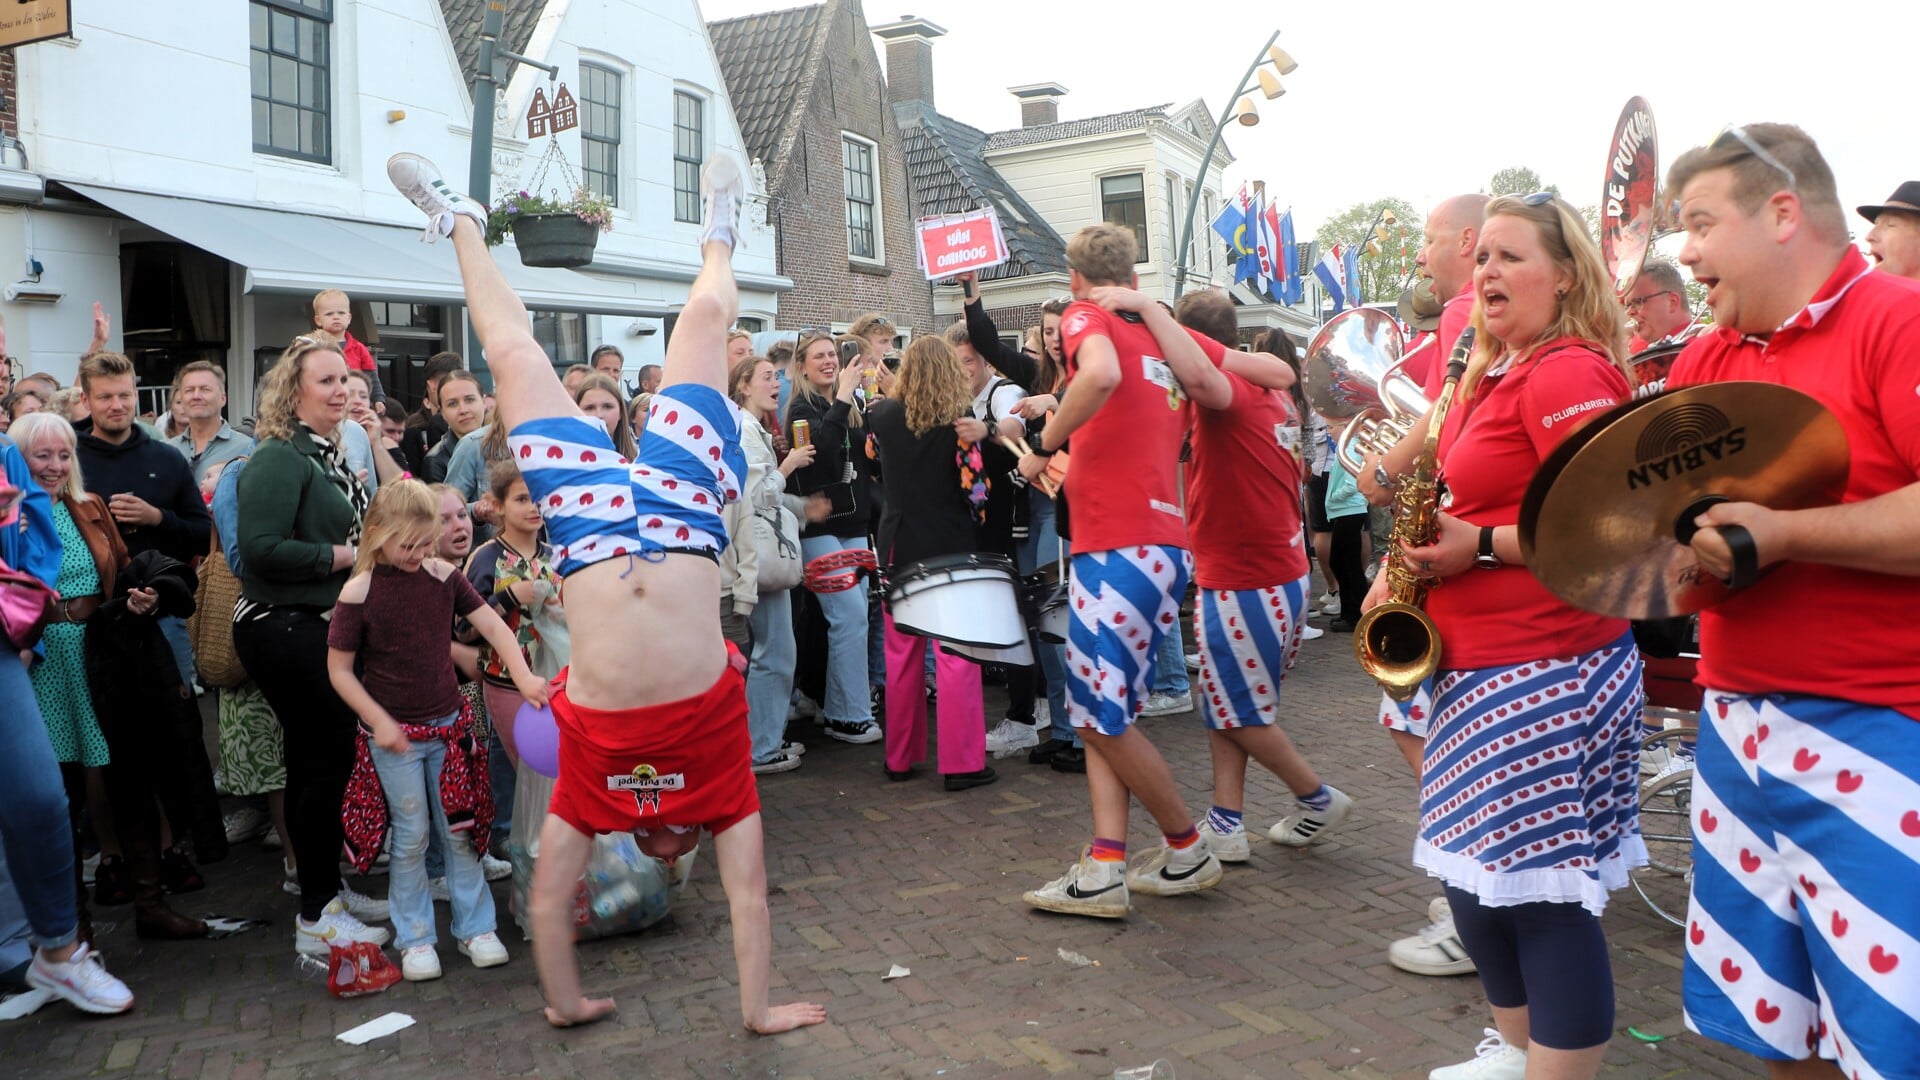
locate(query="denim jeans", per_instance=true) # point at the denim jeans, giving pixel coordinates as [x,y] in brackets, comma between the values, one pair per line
[412,784]
[848,698]
[1170,670]
[15,946]
[1043,545]
[174,629]
[770,672]
[34,829]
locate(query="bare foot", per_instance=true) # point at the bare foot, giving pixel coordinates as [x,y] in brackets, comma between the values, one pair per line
[584,1011]
[781,1018]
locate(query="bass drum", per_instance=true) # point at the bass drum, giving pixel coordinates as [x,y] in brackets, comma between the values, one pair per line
[1043,595]
[968,600]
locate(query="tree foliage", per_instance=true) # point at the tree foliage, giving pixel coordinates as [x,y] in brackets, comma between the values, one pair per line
[1380,275]
[1518,180]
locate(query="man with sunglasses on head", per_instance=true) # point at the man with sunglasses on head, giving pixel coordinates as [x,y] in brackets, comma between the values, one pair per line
[1803,935]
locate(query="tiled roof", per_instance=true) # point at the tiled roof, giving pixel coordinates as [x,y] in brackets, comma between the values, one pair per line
[768,62]
[1075,129]
[463,26]
[950,176]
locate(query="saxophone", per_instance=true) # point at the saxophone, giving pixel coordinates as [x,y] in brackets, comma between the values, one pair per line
[1397,642]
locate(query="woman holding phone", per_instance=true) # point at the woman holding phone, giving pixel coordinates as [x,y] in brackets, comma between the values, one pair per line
[823,413]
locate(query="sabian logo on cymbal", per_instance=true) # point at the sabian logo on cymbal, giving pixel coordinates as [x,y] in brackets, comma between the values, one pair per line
[1682,439]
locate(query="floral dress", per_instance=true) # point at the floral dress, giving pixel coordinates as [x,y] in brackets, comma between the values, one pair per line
[60,681]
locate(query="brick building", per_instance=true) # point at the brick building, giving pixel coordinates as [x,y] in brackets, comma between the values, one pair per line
[811,99]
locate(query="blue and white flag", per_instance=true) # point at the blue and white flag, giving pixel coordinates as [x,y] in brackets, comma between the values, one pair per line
[1294,287]
[1354,296]
[1330,270]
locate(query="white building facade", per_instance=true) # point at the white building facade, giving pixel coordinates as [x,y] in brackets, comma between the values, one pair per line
[203,167]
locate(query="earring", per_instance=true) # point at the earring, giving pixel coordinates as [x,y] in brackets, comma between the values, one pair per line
[1560,294]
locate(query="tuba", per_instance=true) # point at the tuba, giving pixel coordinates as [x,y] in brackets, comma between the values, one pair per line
[1355,368]
[1397,642]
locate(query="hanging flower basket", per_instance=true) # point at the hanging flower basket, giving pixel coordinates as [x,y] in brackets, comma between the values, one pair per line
[551,231]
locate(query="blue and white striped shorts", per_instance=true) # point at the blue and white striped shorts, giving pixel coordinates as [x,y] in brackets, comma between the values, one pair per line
[598,506]
[1123,603]
[1803,933]
[1248,639]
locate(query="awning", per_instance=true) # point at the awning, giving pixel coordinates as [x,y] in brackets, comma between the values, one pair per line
[284,251]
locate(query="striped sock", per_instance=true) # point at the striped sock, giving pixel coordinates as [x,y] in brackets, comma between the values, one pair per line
[1224,821]
[1319,799]
[1105,850]
[1183,841]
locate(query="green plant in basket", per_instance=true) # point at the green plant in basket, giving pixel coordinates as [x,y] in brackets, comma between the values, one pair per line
[583,204]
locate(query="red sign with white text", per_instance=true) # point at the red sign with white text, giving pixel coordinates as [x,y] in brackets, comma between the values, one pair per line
[956,243]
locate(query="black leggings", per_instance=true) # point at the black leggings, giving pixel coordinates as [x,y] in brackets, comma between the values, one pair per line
[285,652]
[1550,959]
[1349,564]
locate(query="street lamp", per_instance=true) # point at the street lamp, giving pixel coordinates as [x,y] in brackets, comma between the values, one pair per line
[1239,107]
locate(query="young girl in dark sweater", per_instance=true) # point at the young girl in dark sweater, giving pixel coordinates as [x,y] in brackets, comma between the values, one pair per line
[417,764]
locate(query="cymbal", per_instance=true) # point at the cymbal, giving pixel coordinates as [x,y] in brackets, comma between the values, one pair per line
[1602,521]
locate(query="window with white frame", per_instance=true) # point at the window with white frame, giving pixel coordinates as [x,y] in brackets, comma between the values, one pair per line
[292,88]
[1123,201]
[689,151]
[860,163]
[600,131]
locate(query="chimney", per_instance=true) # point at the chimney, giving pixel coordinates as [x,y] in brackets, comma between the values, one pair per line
[909,58]
[1039,103]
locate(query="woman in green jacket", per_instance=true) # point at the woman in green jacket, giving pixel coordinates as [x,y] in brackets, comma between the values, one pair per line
[301,507]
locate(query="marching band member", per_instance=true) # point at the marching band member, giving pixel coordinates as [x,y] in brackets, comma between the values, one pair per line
[1244,480]
[1894,240]
[1657,308]
[1803,932]
[1528,800]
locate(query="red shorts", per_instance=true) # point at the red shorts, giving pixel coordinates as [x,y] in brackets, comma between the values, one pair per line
[687,763]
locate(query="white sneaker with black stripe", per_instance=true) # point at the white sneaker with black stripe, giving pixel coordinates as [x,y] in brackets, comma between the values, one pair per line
[1436,950]
[1171,872]
[1090,887]
[1304,826]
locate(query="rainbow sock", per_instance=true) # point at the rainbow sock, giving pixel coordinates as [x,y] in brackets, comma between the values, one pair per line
[1224,821]
[1183,841]
[1105,850]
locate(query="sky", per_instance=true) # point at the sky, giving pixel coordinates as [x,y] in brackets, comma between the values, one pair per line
[1421,101]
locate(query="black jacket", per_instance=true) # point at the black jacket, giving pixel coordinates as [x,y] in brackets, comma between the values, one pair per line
[927,511]
[157,473]
[836,444]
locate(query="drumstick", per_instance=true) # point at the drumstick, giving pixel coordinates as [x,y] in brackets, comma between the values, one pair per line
[1019,448]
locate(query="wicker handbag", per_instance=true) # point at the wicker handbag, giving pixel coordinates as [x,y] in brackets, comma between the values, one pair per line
[211,625]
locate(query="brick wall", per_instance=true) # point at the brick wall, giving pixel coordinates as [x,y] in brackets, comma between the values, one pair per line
[810,203]
[9,108]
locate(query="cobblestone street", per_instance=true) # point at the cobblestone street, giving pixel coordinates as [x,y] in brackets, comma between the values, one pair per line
[1279,972]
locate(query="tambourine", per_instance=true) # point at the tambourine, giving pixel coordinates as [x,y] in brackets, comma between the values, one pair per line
[838,571]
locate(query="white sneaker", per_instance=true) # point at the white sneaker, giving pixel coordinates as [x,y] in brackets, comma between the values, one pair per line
[1304,826]
[335,924]
[1193,661]
[1436,950]
[271,841]
[1674,763]
[1010,737]
[1166,872]
[81,980]
[419,180]
[1439,910]
[420,964]
[858,732]
[437,889]
[364,907]
[484,950]
[794,748]
[1329,604]
[1089,887]
[1227,847]
[1493,1059]
[244,824]
[1166,704]
[1308,633]
[289,878]
[495,869]
[721,195]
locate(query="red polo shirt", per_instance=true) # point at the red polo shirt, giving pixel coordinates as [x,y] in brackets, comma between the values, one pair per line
[1243,491]
[1807,628]
[1429,369]
[1490,448]
[1125,477]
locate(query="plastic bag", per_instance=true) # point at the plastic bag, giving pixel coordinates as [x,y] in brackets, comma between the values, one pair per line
[622,891]
[359,968]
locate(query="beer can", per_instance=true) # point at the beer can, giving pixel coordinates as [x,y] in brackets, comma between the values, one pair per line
[801,434]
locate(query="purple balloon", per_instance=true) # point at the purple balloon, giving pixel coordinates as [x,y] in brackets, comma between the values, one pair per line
[537,738]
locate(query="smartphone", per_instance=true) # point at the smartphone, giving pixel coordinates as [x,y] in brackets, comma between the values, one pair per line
[849,352]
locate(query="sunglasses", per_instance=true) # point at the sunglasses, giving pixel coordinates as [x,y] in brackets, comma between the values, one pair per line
[1635,303]
[1538,198]
[1739,135]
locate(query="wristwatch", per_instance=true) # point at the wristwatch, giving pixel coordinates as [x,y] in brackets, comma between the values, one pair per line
[1486,559]
[1380,476]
